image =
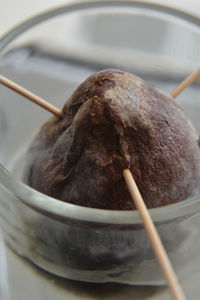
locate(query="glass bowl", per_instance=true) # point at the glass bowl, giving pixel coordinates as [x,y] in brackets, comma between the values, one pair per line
[52,53]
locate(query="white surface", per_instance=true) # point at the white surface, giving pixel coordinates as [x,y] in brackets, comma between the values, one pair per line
[13,12]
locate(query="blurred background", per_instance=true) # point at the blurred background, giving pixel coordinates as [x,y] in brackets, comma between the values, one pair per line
[13,12]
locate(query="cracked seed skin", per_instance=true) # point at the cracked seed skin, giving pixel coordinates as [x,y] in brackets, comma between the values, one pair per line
[115,120]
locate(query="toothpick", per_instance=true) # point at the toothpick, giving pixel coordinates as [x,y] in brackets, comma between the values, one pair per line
[58,112]
[157,245]
[34,98]
[185,83]
[155,240]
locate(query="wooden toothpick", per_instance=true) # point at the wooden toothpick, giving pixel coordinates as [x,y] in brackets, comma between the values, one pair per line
[185,83]
[159,250]
[58,112]
[154,238]
[157,245]
[38,100]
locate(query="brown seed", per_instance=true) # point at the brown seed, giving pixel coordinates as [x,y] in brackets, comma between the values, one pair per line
[115,120]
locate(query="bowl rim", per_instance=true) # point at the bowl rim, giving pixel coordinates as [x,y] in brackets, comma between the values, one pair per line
[63,210]
[19,28]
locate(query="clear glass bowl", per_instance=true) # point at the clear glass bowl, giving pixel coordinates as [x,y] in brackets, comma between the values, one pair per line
[52,53]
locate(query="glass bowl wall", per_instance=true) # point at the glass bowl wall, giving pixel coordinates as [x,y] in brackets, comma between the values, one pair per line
[51,54]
